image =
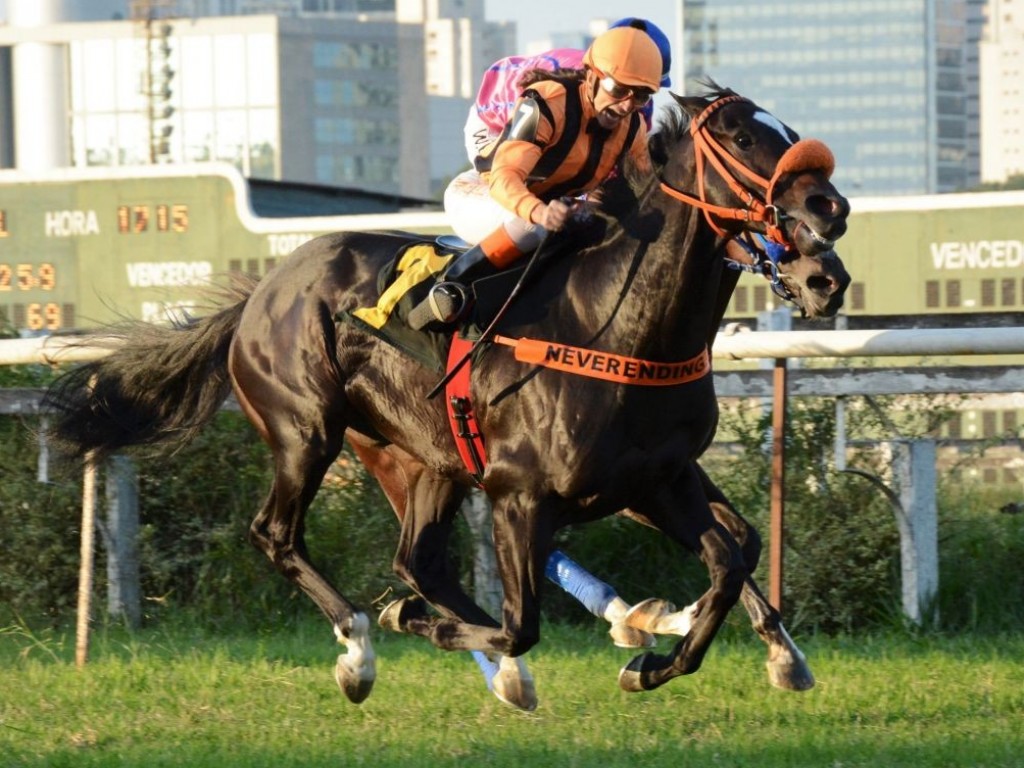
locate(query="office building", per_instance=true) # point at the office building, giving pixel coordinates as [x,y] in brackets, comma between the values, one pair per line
[886,83]
[358,93]
[1002,91]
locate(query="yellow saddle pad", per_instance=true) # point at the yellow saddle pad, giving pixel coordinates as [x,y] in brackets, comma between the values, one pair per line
[419,263]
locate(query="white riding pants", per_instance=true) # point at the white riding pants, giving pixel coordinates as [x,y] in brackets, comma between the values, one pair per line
[474,214]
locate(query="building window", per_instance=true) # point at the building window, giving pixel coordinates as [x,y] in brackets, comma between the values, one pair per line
[68,318]
[1010,422]
[953,293]
[1009,291]
[931,294]
[988,293]
[740,301]
[988,424]
[365,56]
[760,298]
[857,296]
[954,427]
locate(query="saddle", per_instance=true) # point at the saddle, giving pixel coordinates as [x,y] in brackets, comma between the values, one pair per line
[405,281]
[402,284]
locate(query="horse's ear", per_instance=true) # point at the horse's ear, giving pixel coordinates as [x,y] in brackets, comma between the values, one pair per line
[692,105]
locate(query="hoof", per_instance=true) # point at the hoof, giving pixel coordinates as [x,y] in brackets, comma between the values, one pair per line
[632,676]
[790,676]
[645,615]
[354,685]
[625,636]
[390,617]
[398,613]
[515,691]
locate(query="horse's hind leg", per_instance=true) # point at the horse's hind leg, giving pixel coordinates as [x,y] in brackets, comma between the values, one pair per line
[426,503]
[421,563]
[522,540]
[303,423]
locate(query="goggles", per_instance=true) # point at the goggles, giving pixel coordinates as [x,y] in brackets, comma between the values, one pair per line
[621,92]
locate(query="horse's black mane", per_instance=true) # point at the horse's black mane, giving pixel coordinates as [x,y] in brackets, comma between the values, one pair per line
[673,124]
[620,193]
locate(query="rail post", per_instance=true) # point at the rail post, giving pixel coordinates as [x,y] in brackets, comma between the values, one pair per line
[778,486]
[85,568]
[913,478]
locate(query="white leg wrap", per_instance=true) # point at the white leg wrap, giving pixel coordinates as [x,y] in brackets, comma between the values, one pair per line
[679,623]
[360,657]
[514,684]
[789,652]
[616,611]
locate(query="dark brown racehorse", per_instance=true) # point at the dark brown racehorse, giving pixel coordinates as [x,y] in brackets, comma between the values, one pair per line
[562,449]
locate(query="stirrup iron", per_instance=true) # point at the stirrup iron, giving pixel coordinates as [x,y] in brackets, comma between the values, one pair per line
[444,304]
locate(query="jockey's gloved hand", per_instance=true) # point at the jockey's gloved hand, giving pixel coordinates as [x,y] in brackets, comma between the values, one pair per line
[553,215]
[584,208]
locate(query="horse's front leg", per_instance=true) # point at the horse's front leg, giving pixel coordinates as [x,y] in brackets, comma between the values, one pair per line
[682,512]
[787,665]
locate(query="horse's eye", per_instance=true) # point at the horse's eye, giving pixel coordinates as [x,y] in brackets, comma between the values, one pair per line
[744,141]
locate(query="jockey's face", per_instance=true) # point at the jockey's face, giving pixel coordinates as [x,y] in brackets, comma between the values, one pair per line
[614,101]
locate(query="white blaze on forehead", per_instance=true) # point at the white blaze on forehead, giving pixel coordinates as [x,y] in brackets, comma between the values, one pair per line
[773,122]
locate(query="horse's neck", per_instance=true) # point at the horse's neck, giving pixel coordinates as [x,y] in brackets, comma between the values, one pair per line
[665,289]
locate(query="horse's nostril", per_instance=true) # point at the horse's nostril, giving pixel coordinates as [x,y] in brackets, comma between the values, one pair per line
[821,284]
[822,205]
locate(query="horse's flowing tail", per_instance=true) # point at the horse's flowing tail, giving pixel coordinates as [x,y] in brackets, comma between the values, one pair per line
[160,385]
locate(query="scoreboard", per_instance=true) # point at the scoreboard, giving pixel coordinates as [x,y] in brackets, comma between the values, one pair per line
[84,247]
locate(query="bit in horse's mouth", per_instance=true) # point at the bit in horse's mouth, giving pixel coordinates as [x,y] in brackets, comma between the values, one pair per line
[821,240]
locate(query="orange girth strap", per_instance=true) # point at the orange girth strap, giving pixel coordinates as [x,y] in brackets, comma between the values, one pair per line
[608,366]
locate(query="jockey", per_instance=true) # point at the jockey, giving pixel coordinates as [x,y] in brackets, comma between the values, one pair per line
[500,86]
[566,135]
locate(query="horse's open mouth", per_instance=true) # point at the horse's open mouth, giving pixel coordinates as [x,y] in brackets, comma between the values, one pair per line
[818,241]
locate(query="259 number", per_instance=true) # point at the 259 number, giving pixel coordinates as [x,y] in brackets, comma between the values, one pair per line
[28,277]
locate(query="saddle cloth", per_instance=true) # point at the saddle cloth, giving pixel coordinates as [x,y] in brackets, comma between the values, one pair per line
[404,282]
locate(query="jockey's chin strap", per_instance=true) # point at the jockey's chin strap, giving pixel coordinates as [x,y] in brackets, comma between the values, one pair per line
[806,154]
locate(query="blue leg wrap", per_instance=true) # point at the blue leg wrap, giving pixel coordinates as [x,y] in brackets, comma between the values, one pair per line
[488,667]
[584,586]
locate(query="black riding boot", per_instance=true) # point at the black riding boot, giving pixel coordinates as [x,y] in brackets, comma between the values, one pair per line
[448,297]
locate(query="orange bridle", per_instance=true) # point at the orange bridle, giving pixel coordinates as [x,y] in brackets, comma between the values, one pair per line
[805,154]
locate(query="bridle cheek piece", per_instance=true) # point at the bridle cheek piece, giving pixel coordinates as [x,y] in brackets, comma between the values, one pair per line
[806,154]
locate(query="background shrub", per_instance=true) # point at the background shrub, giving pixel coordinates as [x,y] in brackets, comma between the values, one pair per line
[842,552]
